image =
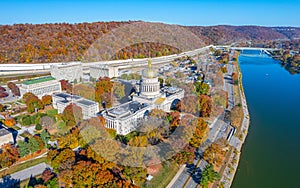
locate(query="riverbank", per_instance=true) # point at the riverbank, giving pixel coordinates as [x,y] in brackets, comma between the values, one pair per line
[234,158]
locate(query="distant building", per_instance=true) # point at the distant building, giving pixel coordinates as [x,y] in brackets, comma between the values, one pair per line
[125,118]
[41,86]
[67,71]
[5,136]
[103,71]
[62,100]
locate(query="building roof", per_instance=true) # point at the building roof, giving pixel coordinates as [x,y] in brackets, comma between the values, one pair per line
[86,102]
[159,101]
[125,109]
[4,131]
[38,80]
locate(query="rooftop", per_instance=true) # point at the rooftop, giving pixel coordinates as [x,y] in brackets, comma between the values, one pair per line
[86,102]
[38,80]
[4,131]
[125,109]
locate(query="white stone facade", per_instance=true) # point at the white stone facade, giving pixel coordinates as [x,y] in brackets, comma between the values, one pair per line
[104,71]
[67,71]
[62,100]
[40,86]
[5,137]
[125,118]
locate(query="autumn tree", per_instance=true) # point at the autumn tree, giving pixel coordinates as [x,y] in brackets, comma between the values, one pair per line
[14,88]
[47,100]
[189,104]
[236,115]
[2,108]
[9,122]
[215,153]
[9,154]
[72,114]
[235,78]
[200,134]
[205,105]
[32,102]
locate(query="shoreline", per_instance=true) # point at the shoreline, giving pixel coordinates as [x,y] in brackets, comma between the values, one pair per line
[234,159]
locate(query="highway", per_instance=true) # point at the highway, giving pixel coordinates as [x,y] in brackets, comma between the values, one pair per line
[13,69]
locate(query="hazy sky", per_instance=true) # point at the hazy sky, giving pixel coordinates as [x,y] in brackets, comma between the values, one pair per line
[183,12]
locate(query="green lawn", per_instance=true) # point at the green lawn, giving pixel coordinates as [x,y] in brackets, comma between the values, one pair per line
[166,174]
[22,166]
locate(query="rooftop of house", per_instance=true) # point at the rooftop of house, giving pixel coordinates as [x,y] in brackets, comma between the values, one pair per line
[38,80]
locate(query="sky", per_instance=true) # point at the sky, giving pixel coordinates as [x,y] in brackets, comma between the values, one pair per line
[182,12]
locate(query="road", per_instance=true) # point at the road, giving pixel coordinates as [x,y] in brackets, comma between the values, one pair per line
[12,69]
[191,175]
[15,178]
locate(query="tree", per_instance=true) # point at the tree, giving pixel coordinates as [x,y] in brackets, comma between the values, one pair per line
[201,88]
[235,78]
[9,122]
[23,147]
[47,175]
[9,154]
[236,115]
[119,89]
[215,153]
[47,100]
[32,102]
[205,105]
[38,127]
[2,108]
[33,145]
[72,114]
[208,176]
[200,134]
[45,136]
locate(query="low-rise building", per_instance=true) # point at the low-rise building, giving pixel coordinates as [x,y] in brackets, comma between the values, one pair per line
[67,71]
[41,86]
[5,136]
[104,71]
[62,100]
[125,118]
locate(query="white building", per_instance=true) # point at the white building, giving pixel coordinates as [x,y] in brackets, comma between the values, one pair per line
[102,71]
[5,136]
[126,118]
[62,100]
[41,86]
[67,71]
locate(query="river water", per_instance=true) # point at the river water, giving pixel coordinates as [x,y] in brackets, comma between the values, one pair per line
[271,154]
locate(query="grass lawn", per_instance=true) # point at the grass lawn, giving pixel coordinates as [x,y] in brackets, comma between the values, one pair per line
[22,166]
[165,175]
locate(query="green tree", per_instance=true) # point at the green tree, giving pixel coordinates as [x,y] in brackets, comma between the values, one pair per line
[201,88]
[23,147]
[208,176]
[45,136]
[33,145]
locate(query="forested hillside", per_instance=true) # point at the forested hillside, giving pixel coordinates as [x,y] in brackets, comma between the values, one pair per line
[63,42]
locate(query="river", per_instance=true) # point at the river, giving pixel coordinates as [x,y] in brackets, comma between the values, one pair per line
[271,154]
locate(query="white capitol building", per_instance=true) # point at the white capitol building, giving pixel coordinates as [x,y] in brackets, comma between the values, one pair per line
[125,118]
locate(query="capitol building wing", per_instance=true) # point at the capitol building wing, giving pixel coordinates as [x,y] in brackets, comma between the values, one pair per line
[126,118]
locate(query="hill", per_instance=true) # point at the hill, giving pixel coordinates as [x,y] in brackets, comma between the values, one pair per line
[63,42]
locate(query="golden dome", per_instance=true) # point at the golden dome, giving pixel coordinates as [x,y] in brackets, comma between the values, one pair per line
[149,72]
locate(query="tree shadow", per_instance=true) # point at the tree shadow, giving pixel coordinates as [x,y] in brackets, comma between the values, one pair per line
[8,182]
